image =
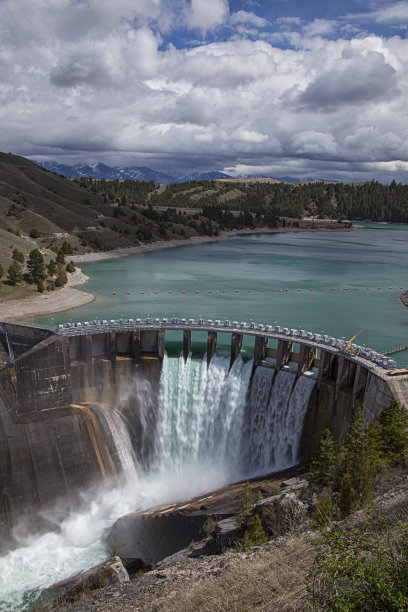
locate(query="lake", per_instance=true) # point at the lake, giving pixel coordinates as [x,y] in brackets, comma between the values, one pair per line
[336,282]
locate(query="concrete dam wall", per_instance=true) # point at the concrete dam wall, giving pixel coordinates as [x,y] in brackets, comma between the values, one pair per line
[67,397]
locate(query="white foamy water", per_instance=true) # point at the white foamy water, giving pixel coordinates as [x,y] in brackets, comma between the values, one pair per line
[201,411]
[202,428]
[275,420]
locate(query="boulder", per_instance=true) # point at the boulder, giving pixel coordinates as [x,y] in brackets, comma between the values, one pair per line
[111,572]
[224,536]
[281,514]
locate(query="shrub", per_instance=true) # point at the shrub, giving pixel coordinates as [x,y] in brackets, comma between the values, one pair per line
[361,570]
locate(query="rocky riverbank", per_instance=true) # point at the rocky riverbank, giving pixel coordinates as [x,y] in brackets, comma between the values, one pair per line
[273,576]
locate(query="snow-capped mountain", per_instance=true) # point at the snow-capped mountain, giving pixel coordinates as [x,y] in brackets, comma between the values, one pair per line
[102,171]
[136,173]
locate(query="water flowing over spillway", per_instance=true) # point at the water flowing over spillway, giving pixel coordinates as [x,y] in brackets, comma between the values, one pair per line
[205,427]
[201,411]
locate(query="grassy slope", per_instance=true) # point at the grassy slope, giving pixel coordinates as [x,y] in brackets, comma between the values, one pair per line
[33,198]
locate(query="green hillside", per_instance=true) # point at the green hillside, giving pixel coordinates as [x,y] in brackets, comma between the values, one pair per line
[40,209]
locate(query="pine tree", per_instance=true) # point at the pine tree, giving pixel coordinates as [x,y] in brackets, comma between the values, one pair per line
[52,268]
[246,502]
[61,277]
[18,256]
[322,467]
[393,432]
[60,257]
[256,532]
[15,273]
[360,463]
[36,266]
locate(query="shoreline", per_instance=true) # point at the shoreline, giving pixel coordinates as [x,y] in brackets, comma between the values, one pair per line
[68,298]
[167,244]
[48,303]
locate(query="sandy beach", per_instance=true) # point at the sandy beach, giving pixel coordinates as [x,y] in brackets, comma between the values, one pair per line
[68,298]
[46,303]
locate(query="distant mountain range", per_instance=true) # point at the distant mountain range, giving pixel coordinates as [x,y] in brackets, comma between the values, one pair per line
[134,173]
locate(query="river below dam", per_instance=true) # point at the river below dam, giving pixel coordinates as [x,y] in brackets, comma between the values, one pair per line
[337,282]
[204,433]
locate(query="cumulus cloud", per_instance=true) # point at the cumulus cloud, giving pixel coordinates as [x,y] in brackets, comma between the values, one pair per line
[246,18]
[319,27]
[207,14]
[99,80]
[367,78]
[397,13]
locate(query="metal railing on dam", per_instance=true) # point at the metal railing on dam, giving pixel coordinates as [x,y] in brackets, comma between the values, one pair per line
[367,357]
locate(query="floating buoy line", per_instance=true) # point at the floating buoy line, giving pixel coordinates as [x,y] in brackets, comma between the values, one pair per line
[266,291]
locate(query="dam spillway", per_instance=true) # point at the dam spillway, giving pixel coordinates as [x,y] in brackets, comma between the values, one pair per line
[82,404]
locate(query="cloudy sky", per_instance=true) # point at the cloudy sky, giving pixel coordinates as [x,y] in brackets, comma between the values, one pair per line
[250,87]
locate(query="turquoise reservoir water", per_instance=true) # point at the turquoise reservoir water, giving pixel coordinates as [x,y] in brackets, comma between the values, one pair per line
[258,277]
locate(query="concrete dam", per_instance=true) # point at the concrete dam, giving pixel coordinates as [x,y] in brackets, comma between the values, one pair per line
[82,403]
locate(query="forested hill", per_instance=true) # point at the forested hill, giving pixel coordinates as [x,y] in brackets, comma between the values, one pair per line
[355,201]
[39,208]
